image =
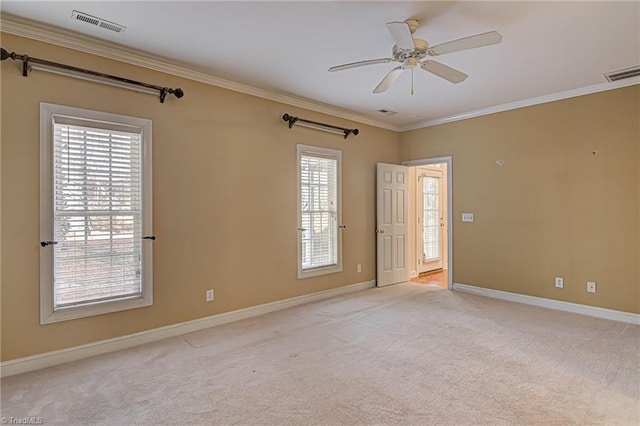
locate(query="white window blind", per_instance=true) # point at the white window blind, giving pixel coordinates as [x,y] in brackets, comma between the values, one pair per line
[97,215]
[95,209]
[319,210]
[431,217]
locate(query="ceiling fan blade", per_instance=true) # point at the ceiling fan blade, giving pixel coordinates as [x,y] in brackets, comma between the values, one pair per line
[443,71]
[360,64]
[401,35]
[478,40]
[390,78]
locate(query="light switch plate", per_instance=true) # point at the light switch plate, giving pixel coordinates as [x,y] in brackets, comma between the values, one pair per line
[591,287]
[467,217]
[559,282]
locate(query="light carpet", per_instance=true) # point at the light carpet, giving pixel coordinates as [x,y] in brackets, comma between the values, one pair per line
[406,354]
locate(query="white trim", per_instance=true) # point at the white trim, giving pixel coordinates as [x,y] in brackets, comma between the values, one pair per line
[41,32]
[449,161]
[575,308]
[48,359]
[48,114]
[329,154]
[601,87]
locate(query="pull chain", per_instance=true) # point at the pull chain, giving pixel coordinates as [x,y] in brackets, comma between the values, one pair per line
[411,81]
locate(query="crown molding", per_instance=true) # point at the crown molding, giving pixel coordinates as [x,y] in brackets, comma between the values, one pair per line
[53,35]
[602,87]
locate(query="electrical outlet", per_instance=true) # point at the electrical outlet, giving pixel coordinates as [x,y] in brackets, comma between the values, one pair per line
[359,268]
[559,282]
[591,287]
[210,295]
[467,217]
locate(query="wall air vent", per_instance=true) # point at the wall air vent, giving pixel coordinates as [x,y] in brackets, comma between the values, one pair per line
[98,22]
[387,112]
[623,74]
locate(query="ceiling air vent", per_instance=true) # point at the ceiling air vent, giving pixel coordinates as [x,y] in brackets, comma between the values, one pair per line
[387,112]
[623,74]
[98,22]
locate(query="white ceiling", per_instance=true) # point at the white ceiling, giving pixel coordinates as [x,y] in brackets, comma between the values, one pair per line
[287,47]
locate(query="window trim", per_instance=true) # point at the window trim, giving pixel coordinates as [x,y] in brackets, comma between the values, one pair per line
[47,113]
[326,153]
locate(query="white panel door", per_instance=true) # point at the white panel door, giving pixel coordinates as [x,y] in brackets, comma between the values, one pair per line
[392,226]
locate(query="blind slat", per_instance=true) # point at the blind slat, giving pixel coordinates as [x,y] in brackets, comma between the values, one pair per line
[319,207]
[97,215]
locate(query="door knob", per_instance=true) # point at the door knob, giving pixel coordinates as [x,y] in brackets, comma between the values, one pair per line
[379,231]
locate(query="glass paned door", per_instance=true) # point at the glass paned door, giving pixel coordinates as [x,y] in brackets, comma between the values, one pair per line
[430,220]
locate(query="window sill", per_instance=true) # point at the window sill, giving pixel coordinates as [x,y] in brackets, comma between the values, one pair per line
[307,273]
[70,313]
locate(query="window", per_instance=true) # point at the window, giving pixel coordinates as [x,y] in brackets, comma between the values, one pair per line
[95,209]
[319,211]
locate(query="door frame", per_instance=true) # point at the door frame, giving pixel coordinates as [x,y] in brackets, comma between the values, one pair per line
[449,161]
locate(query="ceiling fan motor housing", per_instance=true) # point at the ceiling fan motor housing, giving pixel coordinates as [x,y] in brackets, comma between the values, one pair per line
[410,52]
[419,51]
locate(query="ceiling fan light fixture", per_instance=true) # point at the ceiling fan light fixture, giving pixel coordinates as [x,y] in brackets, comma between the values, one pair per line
[411,63]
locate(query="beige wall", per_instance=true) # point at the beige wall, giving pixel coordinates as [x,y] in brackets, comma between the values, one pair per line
[553,208]
[223,159]
[224,201]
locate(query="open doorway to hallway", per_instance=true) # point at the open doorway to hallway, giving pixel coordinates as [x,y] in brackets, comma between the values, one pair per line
[428,224]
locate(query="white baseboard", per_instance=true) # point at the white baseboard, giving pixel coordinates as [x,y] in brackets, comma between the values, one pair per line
[48,359]
[413,274]
[576,308]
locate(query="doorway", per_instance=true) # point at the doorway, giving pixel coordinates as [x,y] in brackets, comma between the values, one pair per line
[430,222]
[397,231]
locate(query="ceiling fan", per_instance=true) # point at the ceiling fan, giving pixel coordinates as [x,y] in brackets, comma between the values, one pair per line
[410,52]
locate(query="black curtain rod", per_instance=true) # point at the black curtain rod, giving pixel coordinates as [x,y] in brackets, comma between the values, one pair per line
[320,126]
[26,61]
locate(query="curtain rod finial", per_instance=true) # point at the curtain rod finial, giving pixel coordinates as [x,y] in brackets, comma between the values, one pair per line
[5,54]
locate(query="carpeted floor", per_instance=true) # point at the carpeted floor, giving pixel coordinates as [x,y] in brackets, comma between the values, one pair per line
[406,354]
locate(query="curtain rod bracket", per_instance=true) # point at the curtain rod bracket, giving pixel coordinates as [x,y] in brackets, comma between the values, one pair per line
[25,64]
[290,119]
[94,76]
[319,126]
[163,94]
